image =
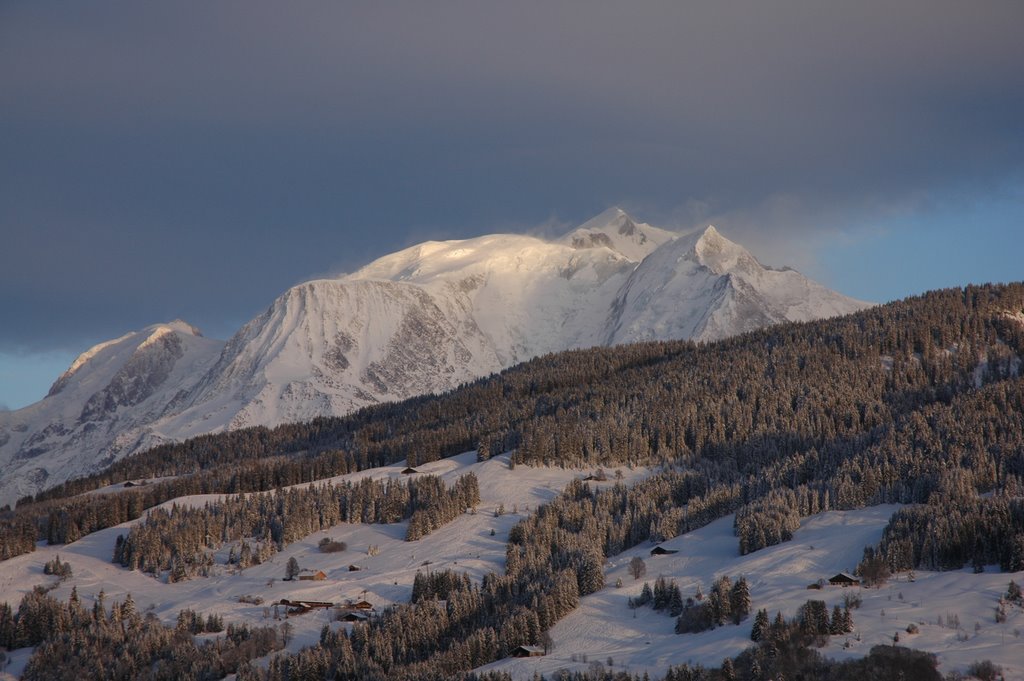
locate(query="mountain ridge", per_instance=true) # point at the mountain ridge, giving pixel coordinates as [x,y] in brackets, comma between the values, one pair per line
[421,320]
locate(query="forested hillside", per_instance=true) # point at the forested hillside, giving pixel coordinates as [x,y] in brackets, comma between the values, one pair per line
[791,403]
[918,402]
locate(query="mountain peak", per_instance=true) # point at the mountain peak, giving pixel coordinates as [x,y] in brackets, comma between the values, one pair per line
[84,359]
[418,321]
[181,326]
[612,217]
[149,335]
[714,251]
[616,230]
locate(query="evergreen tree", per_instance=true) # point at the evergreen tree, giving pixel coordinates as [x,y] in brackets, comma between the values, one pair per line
[646,595]
[739,600]
[760,629]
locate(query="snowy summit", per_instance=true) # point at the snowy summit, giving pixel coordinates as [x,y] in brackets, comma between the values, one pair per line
[421,320]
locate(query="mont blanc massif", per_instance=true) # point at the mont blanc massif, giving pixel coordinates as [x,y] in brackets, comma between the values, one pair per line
[423,320]
[619,455]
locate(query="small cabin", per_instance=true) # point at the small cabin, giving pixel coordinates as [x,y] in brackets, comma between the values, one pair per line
[354,568]
[302,607]
[409,470]
[843,579]
[354,616]
[662,551]
[305,604]
[317,576]
[362,605]
[528,651]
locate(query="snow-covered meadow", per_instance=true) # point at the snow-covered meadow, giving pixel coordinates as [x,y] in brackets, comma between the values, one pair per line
[603,628]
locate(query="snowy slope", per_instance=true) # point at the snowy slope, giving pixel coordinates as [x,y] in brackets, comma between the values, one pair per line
[705,287]
[430,317]
[602,626]
[422,320]
[465,544]
[98,409]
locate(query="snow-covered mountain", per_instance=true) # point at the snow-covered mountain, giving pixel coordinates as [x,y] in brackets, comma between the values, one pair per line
[421,320]
[96,412]
[705,287]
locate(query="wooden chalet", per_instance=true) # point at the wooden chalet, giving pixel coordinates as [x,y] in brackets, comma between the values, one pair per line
[354,616]
[301,607]
[409,470]
[527,651]
[662,551]
[362,605]
[317,576]
[843,579]
[354,568]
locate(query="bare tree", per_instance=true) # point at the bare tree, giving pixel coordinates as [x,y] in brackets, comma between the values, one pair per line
[637,567]
[547,642]
[287,631]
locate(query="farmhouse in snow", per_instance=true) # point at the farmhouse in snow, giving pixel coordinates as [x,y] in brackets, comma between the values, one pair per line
[302,607]
[354,616]
[843,579]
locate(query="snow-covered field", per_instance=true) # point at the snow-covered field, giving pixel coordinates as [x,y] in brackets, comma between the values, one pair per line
[465,544]
[603,627]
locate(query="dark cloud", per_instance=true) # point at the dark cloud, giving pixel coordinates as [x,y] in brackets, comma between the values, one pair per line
[194,159]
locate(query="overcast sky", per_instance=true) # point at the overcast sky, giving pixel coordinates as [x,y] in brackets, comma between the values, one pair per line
[193,159]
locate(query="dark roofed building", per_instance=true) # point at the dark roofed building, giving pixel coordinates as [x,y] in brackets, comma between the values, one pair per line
[662,551]
[409,471]
[843,579]
[354,616]
[528,651]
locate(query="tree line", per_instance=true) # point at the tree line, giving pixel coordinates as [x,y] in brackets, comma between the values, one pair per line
[181,539]
[73,641]
[787,399]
